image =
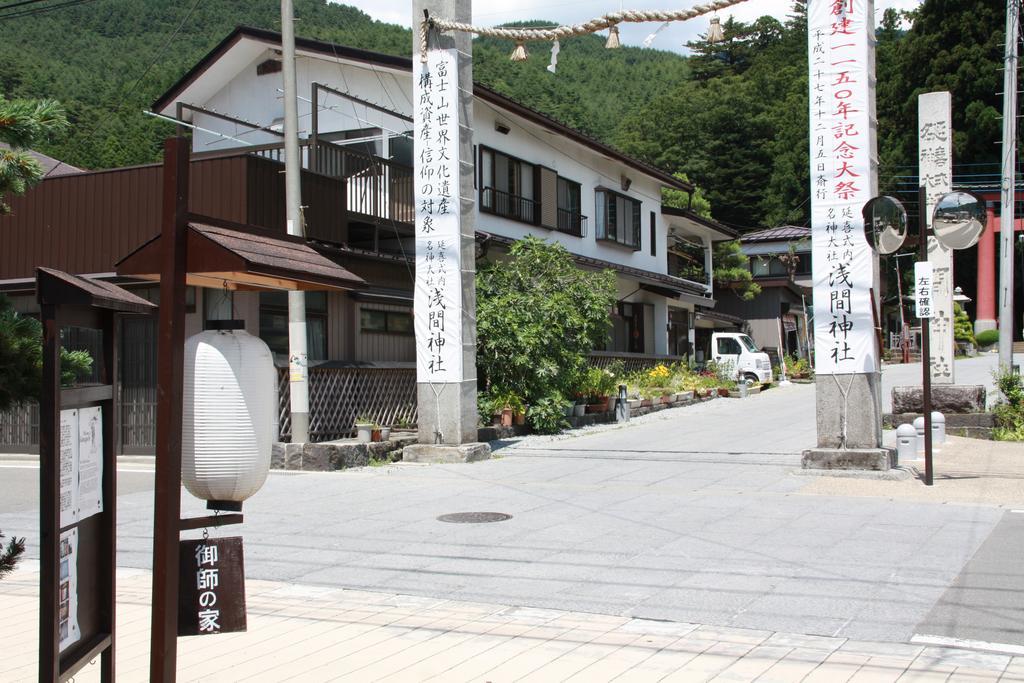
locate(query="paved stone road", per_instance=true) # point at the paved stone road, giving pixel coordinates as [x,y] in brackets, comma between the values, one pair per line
[689,515]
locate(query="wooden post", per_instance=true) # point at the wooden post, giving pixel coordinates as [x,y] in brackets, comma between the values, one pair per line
[49,492]
[171,355]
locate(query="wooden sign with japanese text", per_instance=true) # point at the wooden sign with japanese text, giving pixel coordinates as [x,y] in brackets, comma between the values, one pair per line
[211,587]
[438,287]
[843,165]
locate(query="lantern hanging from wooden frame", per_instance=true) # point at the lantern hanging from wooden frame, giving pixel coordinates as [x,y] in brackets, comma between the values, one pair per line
[229,415]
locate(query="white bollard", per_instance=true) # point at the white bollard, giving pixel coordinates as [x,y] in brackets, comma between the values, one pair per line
[906,442]
[938,428]
[919,428]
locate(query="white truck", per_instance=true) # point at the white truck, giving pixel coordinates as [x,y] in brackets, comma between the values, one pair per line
[740,351]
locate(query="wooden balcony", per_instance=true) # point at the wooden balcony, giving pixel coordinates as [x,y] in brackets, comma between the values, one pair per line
[85,223]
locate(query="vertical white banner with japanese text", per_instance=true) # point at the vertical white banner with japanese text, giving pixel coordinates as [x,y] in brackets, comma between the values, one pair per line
[843,179]
[438,287]
[935,164]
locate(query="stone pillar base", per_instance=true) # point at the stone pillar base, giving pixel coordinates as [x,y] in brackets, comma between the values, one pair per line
[445,453]
[850,459]
[980,325]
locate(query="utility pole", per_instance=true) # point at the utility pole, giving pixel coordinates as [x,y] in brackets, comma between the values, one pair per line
[298,362]
[1009,186]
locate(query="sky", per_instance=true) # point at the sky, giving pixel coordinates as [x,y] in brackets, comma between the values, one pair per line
[674,37]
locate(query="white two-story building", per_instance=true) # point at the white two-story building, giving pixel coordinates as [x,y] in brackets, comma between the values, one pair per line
[534,176]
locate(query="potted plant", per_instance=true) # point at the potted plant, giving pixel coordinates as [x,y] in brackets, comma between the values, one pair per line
[375,433]
[364,429]
[385,433]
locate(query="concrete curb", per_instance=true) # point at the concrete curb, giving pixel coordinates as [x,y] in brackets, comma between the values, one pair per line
[894,474]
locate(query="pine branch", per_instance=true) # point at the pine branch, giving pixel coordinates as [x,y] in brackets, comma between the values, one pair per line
[9,556]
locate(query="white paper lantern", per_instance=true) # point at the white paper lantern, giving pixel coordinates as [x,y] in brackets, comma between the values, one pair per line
[229,415]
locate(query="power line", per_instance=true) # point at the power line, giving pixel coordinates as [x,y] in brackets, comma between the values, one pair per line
[40,10]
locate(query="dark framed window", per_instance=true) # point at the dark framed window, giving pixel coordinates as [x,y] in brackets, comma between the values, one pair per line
[508,186]
[570,207]
[618,219]
[654,235]
[385,322]
[771,265]
[274,323]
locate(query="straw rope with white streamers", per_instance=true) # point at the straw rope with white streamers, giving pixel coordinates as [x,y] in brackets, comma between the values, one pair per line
[521,35]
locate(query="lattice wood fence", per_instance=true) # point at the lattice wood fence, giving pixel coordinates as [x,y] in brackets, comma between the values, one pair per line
[19,429]
[337,396]
[632,362]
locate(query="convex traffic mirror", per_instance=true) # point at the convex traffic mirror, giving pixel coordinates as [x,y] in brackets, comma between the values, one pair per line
[958,220]
[885,224]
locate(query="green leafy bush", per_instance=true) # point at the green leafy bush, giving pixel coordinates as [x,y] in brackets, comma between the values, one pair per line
[538,318]
[963,330]
[1009,414]
[987,337]
[547,415]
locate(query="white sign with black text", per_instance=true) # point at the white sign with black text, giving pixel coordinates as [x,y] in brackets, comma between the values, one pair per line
[924,303]
[438,288]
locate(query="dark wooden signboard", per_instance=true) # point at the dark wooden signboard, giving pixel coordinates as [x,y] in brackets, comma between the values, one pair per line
[211,586]
[77,478]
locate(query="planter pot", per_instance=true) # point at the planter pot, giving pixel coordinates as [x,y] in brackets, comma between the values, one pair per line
[600,406]
[708,392]
[579,410]
[385,433]
[635,403]
[646,403]
[364,432]
[375,435]
[722,391]
[506,417]
[567,410]
[520,419]
[666,398]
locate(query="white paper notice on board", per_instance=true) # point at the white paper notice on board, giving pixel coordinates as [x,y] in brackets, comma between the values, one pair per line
[68,467]
[68,631]
[90,462]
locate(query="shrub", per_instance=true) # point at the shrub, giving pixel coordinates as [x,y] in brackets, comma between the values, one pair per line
[963,330]
[538,318]
[1009,414]
[987,337]
[547,415]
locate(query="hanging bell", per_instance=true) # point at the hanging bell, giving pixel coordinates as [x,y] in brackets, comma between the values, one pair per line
[613,38]
[519,54]
[715,33]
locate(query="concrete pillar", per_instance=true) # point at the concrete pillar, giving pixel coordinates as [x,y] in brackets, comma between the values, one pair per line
[448,411]
[985,315]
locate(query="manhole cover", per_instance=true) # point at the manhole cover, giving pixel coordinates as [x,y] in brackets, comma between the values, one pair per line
[474,517]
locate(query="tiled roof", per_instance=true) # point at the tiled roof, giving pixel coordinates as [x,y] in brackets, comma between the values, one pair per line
[783,233]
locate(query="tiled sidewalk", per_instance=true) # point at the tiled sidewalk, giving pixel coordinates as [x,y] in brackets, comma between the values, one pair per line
[307,633]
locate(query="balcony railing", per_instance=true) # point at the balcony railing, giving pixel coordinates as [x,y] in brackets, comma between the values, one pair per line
[375,188]
[572,223]
[509,205]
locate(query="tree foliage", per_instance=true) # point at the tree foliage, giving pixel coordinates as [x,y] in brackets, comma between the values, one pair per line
[23,124]
[732,270]
[21,358]
[538,318]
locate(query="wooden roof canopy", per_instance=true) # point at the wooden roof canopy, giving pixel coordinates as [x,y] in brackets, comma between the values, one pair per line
[57,287]
[243,258]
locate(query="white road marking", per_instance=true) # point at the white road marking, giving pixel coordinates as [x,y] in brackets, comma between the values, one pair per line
[945,641]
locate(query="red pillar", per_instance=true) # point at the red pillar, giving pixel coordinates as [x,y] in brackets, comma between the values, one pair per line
[986,312]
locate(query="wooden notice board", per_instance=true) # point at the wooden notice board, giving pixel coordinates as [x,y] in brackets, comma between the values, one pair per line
[77,480]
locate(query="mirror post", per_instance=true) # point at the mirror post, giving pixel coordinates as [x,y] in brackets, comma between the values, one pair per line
[926,375]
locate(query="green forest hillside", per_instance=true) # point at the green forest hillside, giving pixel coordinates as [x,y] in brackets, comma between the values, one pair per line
[732,117]
[94,59]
